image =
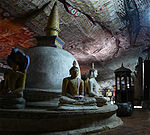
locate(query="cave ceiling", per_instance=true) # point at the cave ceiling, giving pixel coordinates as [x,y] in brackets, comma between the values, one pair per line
[93,30]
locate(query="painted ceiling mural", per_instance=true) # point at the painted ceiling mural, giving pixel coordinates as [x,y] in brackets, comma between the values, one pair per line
[93,30]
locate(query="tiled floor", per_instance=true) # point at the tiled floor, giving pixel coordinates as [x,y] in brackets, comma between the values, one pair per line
[137,124]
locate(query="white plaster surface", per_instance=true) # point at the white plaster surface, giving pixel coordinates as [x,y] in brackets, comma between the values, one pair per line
[48,67]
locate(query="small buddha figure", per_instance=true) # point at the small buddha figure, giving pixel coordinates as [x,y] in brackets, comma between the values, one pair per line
[11,88]
[72,93]
[94,88]
[109,93]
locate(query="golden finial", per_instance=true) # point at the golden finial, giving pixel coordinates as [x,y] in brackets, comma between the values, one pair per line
[52,28]
[74,63]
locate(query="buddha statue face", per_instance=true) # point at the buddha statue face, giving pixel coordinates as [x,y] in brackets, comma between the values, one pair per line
[74,72]
[93,73]
[15,66]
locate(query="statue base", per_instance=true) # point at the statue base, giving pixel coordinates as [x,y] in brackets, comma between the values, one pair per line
[12,103]
[45,122]
[76,107]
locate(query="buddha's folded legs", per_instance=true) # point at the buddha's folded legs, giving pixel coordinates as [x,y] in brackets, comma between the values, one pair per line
[81,101]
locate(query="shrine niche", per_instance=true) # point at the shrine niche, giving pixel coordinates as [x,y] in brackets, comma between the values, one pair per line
[123,85]
[124,92]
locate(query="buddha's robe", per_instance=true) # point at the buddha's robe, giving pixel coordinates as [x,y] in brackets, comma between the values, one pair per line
[93,88]
[13,84]
[72,87]
[94,92]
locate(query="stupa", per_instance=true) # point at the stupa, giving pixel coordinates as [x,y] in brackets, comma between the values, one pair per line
[49,65]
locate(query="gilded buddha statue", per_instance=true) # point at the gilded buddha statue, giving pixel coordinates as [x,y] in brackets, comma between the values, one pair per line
[11,88]
[73,86]
[14,83]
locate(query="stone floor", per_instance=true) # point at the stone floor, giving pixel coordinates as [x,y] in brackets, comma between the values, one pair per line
[137,124]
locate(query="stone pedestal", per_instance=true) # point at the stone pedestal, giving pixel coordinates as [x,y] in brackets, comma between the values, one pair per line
[48,66]
[45,122]
[12,103]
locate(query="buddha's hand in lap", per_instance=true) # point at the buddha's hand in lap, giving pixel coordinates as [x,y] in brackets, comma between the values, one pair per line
[10,92]
[5,92]
[78,97]
[14,93]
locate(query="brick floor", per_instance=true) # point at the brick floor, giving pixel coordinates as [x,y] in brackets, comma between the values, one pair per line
[137,124]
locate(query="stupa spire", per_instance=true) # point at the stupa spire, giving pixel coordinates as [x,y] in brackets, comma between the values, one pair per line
[52,28]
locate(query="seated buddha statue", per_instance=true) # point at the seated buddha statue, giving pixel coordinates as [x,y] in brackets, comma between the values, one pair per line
[94,88]
[11,88]
[109,93]
[73,86]
[13,83]
[73,91]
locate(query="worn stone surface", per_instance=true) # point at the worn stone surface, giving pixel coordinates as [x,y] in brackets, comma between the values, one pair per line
[49,65]
[54,122]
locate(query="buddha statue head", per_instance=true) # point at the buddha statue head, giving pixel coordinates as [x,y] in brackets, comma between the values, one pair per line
[74,71]
[93,72]
[18,60]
